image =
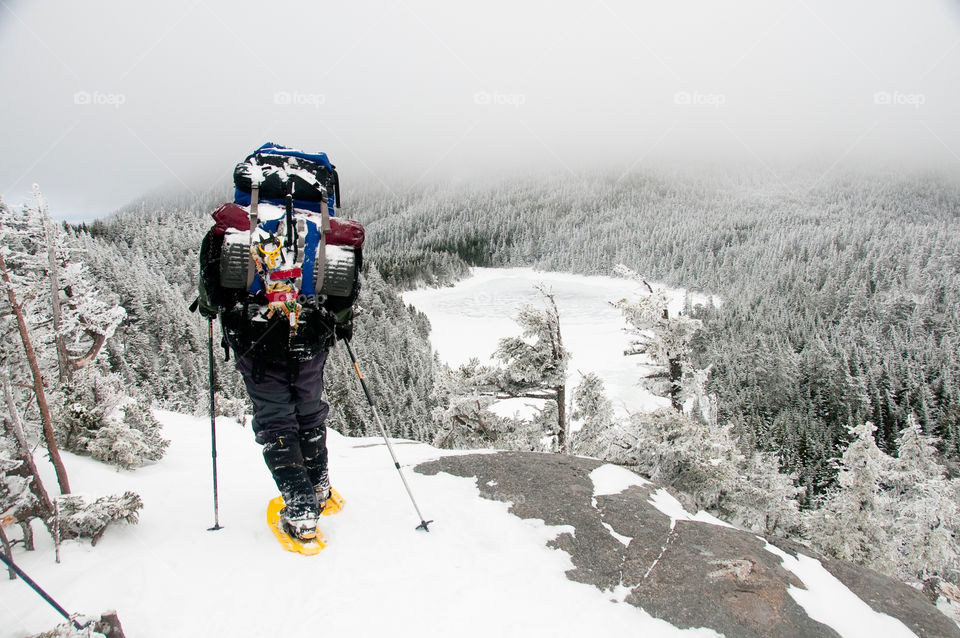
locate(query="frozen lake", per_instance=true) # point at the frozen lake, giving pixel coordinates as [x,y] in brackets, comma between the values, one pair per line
[470,318]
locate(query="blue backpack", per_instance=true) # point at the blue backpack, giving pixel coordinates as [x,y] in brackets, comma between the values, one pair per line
[309,178]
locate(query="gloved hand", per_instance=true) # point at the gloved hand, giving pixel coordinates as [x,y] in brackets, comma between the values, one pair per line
[343,331]
[207,312]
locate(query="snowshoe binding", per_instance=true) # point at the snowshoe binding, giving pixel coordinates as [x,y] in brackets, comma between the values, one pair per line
[332,504]
[295,540]
[302,528]
[299,535]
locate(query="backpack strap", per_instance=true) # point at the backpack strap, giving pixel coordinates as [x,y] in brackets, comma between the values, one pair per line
[254,219]
[325,229]
[336,188]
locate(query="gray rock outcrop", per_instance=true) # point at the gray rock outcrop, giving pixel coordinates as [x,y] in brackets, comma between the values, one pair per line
[688,573]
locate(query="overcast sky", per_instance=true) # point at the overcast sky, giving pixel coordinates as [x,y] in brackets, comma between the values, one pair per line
[105,100]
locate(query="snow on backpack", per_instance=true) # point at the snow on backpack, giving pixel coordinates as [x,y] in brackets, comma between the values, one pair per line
[298,253]
[309,177]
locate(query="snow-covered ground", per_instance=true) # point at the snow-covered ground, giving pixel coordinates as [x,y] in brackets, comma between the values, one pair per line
[479,572]
[469,319]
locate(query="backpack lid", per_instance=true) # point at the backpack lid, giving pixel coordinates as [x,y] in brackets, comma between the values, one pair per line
[271,148]
[315,187]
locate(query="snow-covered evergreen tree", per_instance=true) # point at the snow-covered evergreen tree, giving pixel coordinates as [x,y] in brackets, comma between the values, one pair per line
[849,523]
[916,460]
[69,320]
[594,411]
[69,311]
[24,495]
[924,510]
[665,339]
[535,364]
[763,499]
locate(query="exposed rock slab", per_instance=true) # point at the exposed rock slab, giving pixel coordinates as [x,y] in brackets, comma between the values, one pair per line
[688,573]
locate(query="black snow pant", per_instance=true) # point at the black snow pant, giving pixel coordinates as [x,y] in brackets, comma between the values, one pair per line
[289,416]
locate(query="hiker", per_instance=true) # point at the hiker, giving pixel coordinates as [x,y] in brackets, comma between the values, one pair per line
[280,322]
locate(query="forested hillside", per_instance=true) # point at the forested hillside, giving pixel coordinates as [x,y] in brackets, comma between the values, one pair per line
[840,295]
[839,308]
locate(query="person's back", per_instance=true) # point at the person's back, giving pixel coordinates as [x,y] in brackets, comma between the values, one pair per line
[283,280]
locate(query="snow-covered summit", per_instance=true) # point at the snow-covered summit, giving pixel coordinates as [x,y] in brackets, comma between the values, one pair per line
[522,544]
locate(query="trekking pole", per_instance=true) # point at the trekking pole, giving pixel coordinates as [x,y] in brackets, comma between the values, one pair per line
[213,430]
[376,417]
[35,587]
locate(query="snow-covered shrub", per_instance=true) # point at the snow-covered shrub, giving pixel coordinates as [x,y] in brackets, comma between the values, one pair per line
[67,630]
[234,408]
[945,596]
[108,624]
[898,515]
[763,499]
[15,495]
[594,411]
[139,418]
[97,419]
[924,532]
[699,460]
[86,402]
[537,434]
[466,422]
[119,445]
[83,518]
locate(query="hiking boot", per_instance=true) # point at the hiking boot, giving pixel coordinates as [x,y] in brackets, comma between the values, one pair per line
[301,527]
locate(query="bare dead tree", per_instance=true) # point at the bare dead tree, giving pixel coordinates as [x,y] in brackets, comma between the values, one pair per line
[67,362]
[53,276]
[38,389]
[29,468]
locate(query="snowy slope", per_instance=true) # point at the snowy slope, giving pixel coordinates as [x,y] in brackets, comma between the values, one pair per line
[480,571]
[468,319]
